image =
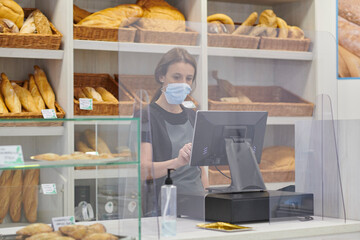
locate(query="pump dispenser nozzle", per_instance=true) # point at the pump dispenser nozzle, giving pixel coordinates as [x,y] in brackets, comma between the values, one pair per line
[168,180]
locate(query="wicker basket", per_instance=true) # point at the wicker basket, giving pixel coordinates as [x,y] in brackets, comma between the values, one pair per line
[178,38]
[273,99]
[271,43]
[233,41]
[28,40]
[134,83]
[104,34]
[126,102]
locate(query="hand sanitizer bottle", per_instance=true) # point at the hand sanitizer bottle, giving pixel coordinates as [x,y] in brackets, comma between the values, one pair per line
[168,207]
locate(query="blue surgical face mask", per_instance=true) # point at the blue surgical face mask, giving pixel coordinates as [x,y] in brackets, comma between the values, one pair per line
[176,93]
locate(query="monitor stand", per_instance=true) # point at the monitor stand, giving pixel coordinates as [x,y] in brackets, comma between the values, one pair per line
[244,170]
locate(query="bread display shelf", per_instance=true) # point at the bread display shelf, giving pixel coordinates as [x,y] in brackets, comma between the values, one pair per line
[104,34]
[285,44]
[233,41]
[126,102]
[275,100]
[189,37]
[31,40]
[135,83]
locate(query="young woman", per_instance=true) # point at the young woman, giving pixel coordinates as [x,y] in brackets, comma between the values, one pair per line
[167,134]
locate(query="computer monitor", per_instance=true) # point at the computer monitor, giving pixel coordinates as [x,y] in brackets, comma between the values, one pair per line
[233,138]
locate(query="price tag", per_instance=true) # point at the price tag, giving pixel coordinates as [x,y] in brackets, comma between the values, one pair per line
[86,103]
[48,189]
[48,113]
[11,155]
[188,104]
[62,221]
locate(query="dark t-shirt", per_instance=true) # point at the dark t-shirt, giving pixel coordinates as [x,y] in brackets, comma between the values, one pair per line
[168,132]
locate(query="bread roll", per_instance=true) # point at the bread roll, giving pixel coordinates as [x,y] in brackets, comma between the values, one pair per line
[34,229]
[39,102]
[95,228]
[352,62]
[247,26]
[98,144]
[42,24]
[79,14]
[106,95]
[5,188]
[283,28]
[30,194]
[26,99]
[161,16]
[11,99]
[100,236]
[119,16]
[82,147]
[350,10]
[16,195]
[92,93]
[217,27]
[29,25]
[268,18]
[7,26]
[44,87]
[3,108]
[224,19]
[45,236]
[79,93]
[349,35]
[9,9]
[295,32]
[74,231]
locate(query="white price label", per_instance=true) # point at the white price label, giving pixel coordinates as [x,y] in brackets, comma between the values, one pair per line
[49,189]
[188,104]
[48,113]
[11,155]
[62,221]
[86,103]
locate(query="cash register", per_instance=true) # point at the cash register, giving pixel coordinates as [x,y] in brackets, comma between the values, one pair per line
[235,138]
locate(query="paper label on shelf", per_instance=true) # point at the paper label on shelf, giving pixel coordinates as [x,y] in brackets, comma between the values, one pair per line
[62,221]
[48,189]
[11,155]
[86,103]
[48,113]
[188,104]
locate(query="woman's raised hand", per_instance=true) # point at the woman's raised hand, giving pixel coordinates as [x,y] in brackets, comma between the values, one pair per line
[184,154]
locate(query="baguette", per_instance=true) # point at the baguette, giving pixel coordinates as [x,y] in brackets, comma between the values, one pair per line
[44,87]
[16,195]
[5,188]
[79,93]
[106,95]
[3,108]
[26,99]
[247,26]
[352,62]
[92,93]
[283,28]
[349,35]
[26,84]
[39,102]
[11,99]
[30,194]
[82,147]
[79,14]
[96,143]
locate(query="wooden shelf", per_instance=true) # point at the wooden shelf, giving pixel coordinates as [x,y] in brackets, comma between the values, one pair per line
[31,53]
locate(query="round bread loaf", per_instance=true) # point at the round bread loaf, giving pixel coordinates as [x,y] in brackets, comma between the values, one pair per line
[9,9]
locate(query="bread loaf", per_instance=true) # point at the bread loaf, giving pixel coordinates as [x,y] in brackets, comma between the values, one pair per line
[7,26]
[247,25]
[268,18]
[16,195]
[278,158]
[92,93]
[350,10]
[161,16]
[295,32]
[26,99]
[74,231]
[349,35]
[3,108]
[39,102]
[79,93]
[30,194]
[217,27]
[45,236]
[42,24]
[106,95]
[46,157]
[351,61]
[83,147]
[343,69]
[11,99]
[44,87]
[79,13]
[34,229]
[258,30]
[224,19]
[98,144]
[5,188]
[29,25]
[100,236]
[119,16]
[283,28]
[9,9]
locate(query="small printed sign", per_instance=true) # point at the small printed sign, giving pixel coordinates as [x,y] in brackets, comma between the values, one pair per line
[62,221]
[48,113]
[11,155]
[49,188]
[188,104]
[86,103]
